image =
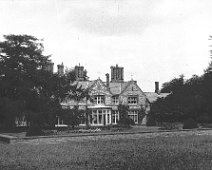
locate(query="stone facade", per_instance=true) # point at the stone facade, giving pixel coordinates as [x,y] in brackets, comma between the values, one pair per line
[105,97]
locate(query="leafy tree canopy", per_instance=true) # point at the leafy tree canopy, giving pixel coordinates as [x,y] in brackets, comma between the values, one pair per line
[190,98]
[25,82]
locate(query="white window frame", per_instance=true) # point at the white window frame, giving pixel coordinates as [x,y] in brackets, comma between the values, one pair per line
[99,99]
[115,115]
[115,99]
[97,113]
[133,114]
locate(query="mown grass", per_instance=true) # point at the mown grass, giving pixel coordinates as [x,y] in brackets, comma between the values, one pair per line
[158,153]
[22,132]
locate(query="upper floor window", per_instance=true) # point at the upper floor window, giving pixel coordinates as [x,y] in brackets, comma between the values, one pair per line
[115,99]
[132,100]
[99,99]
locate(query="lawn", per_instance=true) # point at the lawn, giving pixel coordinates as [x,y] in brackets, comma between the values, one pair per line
[117,152]
[22,133]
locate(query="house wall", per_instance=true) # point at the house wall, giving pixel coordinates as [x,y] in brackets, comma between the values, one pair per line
[131,90]
[108,100]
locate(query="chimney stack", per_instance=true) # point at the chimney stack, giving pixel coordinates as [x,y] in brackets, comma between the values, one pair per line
[49,67]
[157,87]
[107,79]
[60,69]
[80,73]
[117,73]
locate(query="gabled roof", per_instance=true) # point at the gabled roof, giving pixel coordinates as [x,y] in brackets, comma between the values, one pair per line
[114,87]
[84,84]
[100,85]
[129,83]
[152,96]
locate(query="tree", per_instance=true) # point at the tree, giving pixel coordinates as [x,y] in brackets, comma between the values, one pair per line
[124,119]
[24,80]
[175,85]
[78,93]
[72,117]
[20,60]
[172,108]
[123,111]
[190,99]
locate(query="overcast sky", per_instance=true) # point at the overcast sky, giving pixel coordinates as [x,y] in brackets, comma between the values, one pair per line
[154,40]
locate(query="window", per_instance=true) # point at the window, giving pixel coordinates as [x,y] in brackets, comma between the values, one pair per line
[94,116]
[115,117]
[132,100]
[82,119]
[100,117]
[99,99]
[115,99]
[133,114]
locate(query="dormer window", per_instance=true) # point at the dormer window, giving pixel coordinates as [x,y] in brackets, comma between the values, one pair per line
[115,99]
[132,100]
[99,99]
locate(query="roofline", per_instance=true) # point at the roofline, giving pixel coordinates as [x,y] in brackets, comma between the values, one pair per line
[103,85]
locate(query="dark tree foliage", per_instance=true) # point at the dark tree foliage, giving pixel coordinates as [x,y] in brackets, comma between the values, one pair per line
[190,124]
[123,111]
[78,93]
[35,130]
[71,74]
[26,88]
[124,120]
[190,98]
[174,85]
[72,117]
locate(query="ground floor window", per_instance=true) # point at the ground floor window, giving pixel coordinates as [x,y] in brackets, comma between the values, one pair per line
[100,117]
[60,122]
[82,119]
[20,121]
[133,114]
[115,117]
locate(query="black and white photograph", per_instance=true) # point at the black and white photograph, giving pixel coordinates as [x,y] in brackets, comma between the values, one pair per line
[106,84]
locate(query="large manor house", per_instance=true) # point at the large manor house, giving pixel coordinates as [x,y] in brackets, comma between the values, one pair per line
[108,94]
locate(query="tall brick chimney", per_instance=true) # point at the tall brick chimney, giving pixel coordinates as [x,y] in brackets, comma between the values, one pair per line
[60,69]
[157,87]
[107,79]
[80,72]
[117,73]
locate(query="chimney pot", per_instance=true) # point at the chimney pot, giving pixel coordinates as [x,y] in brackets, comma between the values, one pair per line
[60,69]
[157,87]
[107,79]
[117,73]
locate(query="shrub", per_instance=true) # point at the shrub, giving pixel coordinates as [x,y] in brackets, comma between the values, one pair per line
[151,120]
[35,130]
[126,121]
[168,126]
[206,125]
[190,124]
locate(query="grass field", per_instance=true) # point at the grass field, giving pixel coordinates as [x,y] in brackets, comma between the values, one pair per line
[174,152]
[21,134]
